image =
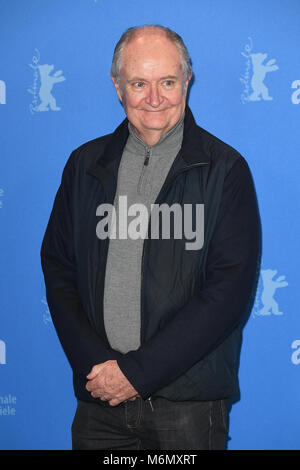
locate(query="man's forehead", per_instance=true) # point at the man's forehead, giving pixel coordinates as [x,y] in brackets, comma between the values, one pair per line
[135,71]
[150,33]
[149,54]
[150,41]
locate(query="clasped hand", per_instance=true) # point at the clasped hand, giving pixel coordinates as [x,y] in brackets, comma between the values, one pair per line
[107,382]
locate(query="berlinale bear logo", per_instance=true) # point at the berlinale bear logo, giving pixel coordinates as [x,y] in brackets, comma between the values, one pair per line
[256,70]
[43,82]
[47,82]
[265,304]
[259,72]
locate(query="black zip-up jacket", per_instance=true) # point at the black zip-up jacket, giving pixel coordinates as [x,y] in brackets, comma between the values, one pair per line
[193,302]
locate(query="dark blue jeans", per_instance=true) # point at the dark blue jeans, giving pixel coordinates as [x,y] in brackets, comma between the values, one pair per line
[144,425]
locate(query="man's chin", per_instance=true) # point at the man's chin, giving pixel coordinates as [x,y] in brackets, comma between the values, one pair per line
[155,121]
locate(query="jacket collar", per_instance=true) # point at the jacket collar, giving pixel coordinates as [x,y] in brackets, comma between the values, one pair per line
[193,149]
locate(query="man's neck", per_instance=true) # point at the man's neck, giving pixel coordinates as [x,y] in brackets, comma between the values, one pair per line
[151,138]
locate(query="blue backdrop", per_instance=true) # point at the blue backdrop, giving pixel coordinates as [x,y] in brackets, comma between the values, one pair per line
[55,94]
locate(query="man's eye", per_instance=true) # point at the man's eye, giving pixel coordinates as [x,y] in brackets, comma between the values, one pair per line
[138,85]
[168,83]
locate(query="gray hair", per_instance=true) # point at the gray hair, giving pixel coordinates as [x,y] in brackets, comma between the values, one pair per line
[130,32]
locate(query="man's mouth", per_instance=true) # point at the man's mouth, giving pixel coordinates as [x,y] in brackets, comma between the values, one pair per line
[154,110]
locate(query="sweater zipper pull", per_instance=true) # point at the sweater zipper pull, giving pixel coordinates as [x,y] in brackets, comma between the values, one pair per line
[146,161]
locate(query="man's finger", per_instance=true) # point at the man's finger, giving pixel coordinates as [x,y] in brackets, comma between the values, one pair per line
[98,393]
[115,402]
[94,384]
[94,372]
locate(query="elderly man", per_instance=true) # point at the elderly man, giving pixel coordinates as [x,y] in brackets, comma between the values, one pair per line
[152,329]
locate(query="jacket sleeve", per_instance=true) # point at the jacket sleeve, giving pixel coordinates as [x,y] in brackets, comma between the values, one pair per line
[81,344]
[219,307]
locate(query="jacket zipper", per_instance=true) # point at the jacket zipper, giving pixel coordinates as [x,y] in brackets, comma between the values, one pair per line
[143,252]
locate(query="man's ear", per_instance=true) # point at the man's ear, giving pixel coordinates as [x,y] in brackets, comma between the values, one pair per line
[117,87]
[188,80]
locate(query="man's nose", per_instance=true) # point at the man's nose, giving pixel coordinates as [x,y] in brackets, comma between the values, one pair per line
[154,98]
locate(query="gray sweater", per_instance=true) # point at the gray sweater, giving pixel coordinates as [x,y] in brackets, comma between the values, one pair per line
[141,184]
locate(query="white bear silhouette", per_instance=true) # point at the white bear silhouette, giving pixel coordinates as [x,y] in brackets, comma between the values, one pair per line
[259,72]
[47,82]
[269,287]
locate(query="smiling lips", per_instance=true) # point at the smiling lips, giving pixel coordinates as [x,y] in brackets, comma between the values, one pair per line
[153,110]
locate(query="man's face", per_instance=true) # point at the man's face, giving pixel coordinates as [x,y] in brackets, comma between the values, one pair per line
[152,87]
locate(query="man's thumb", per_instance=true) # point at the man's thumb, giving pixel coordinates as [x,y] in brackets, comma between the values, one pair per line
[95,371]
